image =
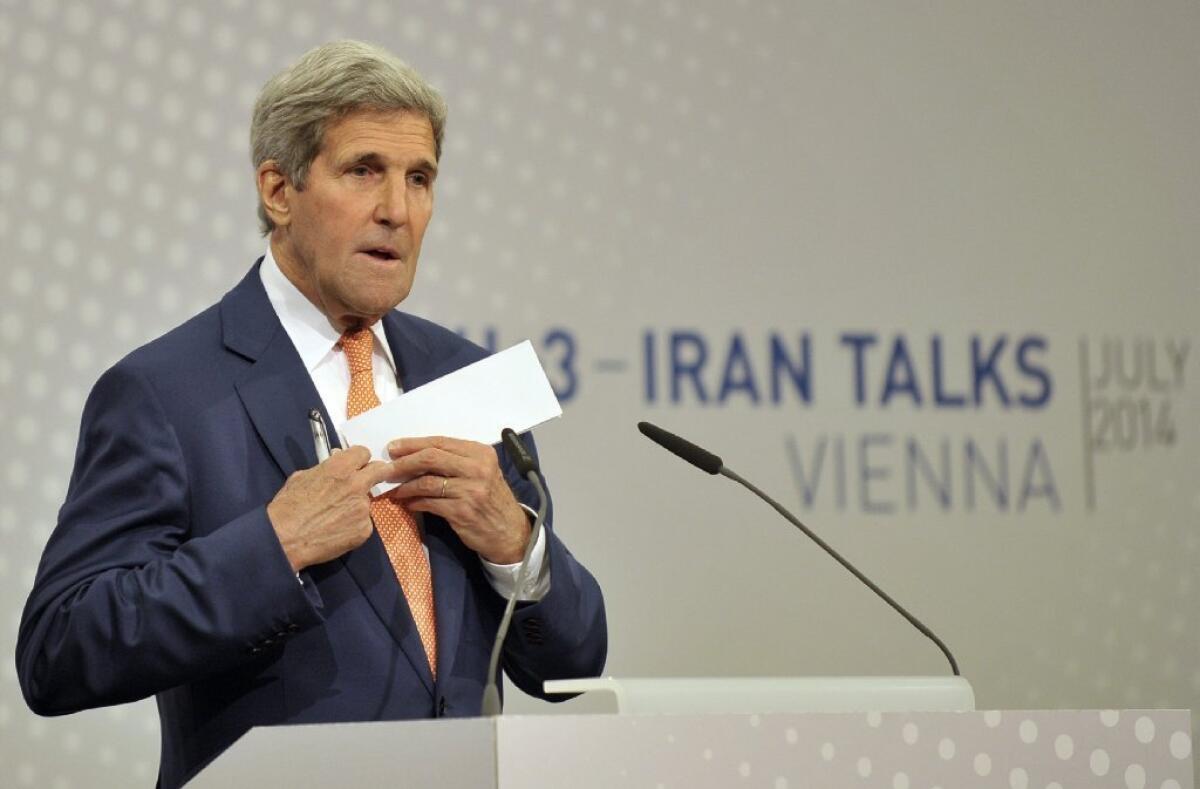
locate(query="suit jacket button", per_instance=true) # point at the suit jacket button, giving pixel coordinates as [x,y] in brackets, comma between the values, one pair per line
[442,707]
[293,627]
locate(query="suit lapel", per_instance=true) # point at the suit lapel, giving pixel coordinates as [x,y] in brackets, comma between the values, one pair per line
[275,389]
[449,590]
[415,365]
[277,394]
[372,571]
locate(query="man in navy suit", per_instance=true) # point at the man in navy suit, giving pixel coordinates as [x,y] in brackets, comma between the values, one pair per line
[203,555]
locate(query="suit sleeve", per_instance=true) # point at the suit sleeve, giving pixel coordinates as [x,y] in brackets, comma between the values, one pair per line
[565,634]
[127,602]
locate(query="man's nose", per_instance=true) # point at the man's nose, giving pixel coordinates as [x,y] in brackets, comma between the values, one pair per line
[391,208]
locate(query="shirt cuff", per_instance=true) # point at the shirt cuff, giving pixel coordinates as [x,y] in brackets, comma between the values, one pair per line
[503,577]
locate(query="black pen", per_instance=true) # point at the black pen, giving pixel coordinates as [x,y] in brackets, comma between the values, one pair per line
[320,434]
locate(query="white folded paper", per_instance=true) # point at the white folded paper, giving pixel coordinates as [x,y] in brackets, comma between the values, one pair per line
[476,402]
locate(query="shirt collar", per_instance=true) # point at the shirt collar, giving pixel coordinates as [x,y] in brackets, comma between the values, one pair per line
[310,331]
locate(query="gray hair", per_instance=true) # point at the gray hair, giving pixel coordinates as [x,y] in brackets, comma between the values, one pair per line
[298,105]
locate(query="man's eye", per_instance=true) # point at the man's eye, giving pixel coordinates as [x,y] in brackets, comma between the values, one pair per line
[419,179]
[361,170]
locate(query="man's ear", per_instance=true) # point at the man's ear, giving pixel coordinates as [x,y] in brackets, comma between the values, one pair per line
[273,192]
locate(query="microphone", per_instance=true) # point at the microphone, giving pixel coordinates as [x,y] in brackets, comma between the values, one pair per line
[527,465]
[710,463]
[700,458]
[516,450]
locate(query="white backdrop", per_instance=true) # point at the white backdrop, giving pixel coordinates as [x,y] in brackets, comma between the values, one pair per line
[884,258]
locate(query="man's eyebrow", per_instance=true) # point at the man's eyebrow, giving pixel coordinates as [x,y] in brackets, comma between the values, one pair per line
[366,157]
[375,159]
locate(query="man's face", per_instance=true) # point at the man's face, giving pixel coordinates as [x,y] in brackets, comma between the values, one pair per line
[353,234]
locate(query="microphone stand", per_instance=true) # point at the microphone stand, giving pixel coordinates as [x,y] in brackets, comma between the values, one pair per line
[712,464]
[528,466]
[918,624]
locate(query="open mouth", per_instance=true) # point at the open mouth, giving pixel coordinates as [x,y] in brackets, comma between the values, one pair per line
[385,254]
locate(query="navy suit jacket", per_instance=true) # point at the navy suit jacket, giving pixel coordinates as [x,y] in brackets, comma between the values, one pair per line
[164,575]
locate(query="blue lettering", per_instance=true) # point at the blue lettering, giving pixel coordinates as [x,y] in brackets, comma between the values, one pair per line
[868,472]
[900,376]
[806,488]
[569,382]
[1038,464]
[649,368]
[940,395]
[919,462]
[737,376]
[984,369]
[799,373]
[997,483]
[859,343]
[1034,371]
[688,355]
[839,465]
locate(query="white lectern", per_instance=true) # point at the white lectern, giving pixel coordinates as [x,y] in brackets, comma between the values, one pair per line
[777,749]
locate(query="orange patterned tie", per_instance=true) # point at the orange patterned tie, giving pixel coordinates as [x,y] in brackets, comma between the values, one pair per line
[396,525]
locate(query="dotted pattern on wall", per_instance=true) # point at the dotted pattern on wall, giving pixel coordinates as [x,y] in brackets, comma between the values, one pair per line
[594,153]
[127,205]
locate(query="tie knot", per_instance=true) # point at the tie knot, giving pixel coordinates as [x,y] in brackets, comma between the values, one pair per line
[358,344]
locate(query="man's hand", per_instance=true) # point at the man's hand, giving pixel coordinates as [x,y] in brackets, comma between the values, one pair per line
[461,481]
[323,512]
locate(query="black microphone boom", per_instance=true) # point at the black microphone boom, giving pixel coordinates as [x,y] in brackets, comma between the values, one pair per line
[707,461]
[700,458]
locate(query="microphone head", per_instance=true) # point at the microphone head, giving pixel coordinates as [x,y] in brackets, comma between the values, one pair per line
[700,458]
[521,456]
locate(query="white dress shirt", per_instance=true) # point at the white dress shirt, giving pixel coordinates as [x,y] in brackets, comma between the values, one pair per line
[316,340]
